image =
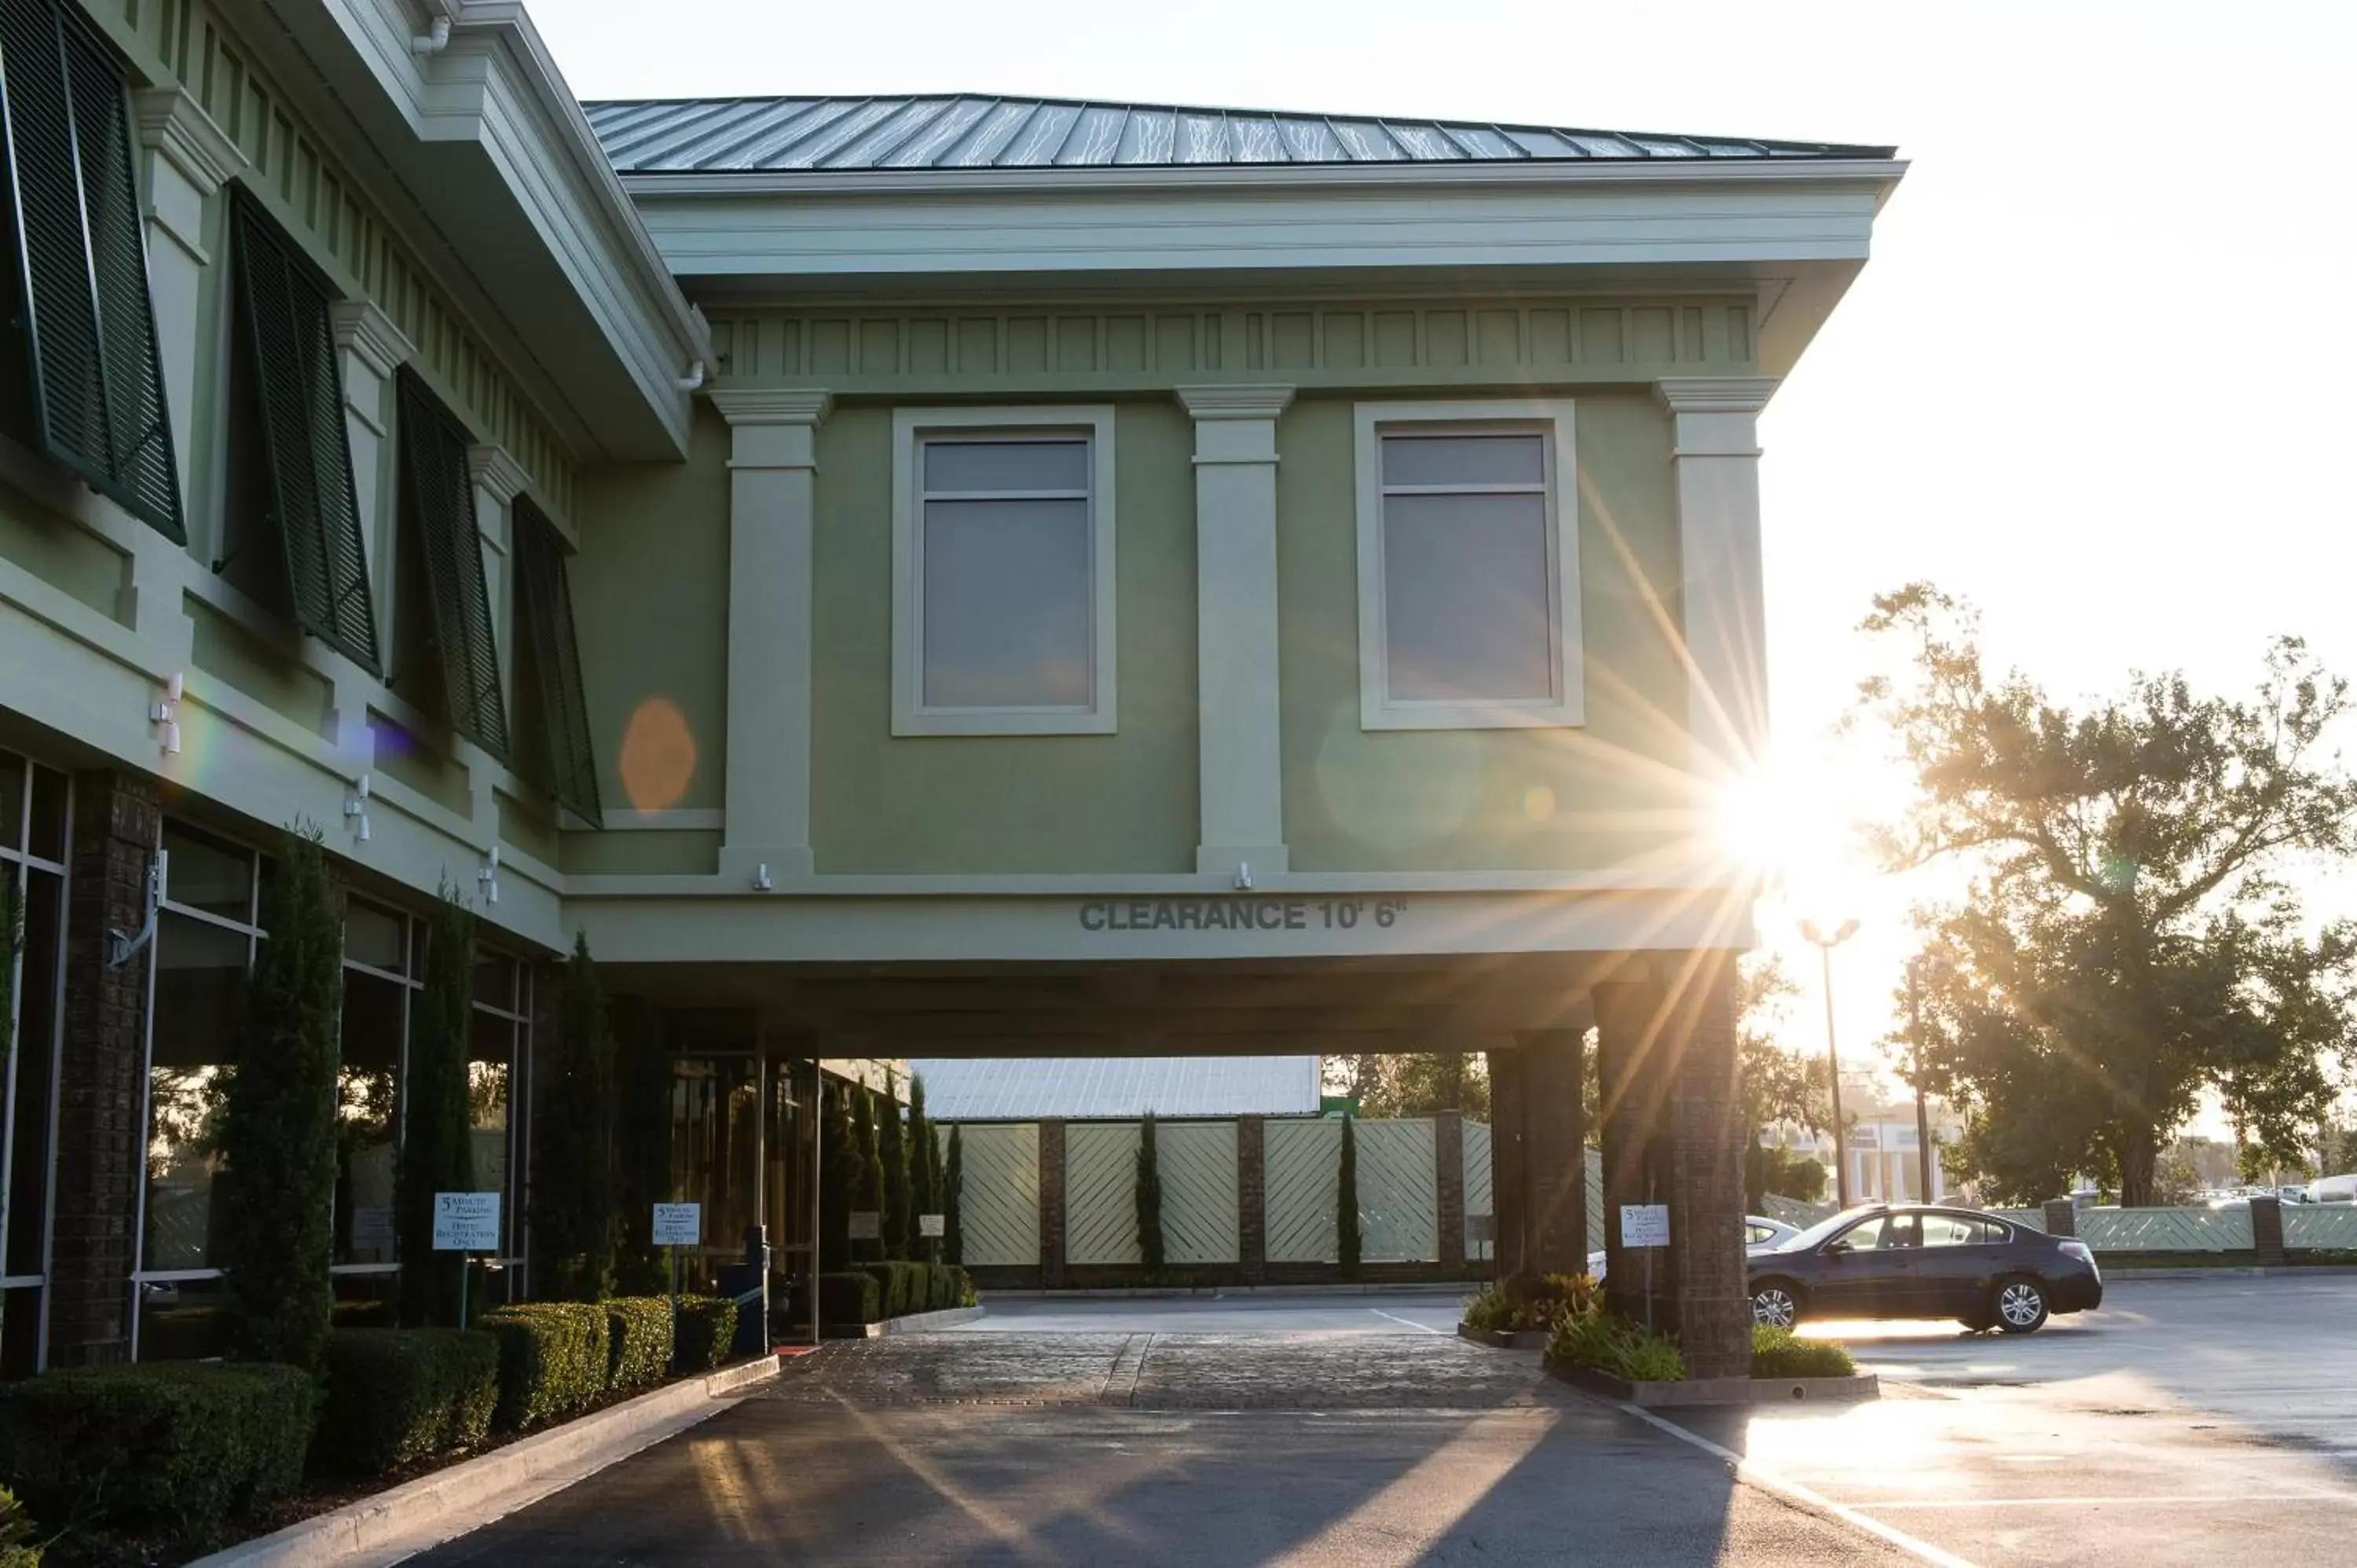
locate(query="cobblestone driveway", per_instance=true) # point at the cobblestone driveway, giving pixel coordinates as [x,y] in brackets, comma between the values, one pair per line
[1172,1372]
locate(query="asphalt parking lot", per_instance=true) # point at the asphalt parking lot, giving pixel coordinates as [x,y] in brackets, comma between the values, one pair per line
[2212,1422]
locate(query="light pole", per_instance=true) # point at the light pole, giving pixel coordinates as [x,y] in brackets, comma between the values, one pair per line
[1825,945]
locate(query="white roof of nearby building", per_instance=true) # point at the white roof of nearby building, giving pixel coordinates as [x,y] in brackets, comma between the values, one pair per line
[1078,1087]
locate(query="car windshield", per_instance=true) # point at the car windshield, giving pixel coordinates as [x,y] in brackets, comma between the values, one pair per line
[1824,1230]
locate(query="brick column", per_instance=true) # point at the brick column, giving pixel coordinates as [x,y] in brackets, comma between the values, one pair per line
[1710,1304]
[1507,1165]
[2267,1228]
[1252,1199]
[1052,1205]
[1449,1186]
[116,818]
[2061,1217]
[1555,1217]
[1632,1083]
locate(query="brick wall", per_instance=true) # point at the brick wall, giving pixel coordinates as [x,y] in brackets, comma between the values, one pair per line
[116,820]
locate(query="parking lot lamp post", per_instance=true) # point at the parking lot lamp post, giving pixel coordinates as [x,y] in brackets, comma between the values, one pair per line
[1825,945]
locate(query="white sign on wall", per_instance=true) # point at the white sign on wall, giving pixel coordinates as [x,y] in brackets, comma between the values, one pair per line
[465,1221]
[679,1225]
[371,1228]
[867,1225]
[933,1224]
[1644,1225]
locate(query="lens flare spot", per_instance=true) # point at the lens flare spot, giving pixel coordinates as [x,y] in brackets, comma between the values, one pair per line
[658,760]
[1538,803]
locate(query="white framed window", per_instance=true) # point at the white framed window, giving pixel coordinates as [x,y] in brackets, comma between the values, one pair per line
[1003,571]
[1468,565]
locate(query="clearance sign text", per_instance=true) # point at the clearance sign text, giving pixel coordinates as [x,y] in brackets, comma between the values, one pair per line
[1238,914]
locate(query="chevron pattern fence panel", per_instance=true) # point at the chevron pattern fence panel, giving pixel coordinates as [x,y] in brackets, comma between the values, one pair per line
[1303,1162]
[1197,1160]
[1399,1198]
[2165,1230]
[1478,1197]
[1101,1192]
[998,1194]
[2321,1225]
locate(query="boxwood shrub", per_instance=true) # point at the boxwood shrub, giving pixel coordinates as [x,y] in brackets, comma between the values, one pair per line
[175,1444]
[639,1330]
[850,1298]
[1775,1353]
[707,1328]
[553,1360]
[397,1396]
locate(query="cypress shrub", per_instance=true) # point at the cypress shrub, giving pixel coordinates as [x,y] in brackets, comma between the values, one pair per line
[553,1360]
[637,1332]
[892,1148]
[952,1194]
[867,1190]
[1346,1203]
[852,1296]
[398,1396]
[1149,1198]
[573,1198]
[707,1328]
[275,1212]
[924,1173]
[641,1148]
[838,1178]
[436,1146]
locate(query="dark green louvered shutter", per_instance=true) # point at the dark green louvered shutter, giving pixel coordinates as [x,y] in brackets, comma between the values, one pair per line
[98,385]
[301,404]
[441,505]
[545,595]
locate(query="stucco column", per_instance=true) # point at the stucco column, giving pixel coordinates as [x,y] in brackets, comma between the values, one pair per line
[772,519]
[189,158]
[1242,780]
[1721,595]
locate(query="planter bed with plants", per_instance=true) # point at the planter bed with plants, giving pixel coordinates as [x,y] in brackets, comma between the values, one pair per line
[1595,1350]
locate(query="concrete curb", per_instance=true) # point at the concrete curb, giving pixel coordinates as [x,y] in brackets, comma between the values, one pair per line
[597,1440]
[913,1323]
[1212,1292]
[1723,1390]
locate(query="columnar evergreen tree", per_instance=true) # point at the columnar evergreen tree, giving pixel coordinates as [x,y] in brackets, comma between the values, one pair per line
[275,1214]
[891,1147]
[436,1145]
[1346,1203]
[838,1176]
[643,1124]
[952,1198]
[572,1189]
[1149,1198]
[924,1173]
[868,1189]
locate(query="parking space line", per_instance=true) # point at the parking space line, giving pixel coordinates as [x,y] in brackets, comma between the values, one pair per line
[2204,1499]
[1760,1476]
[1419,1327]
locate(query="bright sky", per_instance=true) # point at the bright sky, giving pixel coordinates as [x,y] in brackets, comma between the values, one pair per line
[2092,379]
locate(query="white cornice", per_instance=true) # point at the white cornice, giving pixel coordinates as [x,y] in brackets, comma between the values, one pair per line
[369,333]
[1235,403]
[1716,394]
[178,127]
[1886,173]
[771,406]
[494,471]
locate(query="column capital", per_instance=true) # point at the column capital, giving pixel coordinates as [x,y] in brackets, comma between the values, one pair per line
[370,336]
[1235,402]
[1715,394]
[493,469]
[771,406]
[176,126]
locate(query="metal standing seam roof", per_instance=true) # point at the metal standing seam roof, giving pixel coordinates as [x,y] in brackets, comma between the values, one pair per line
[1026,1089]
[975,131]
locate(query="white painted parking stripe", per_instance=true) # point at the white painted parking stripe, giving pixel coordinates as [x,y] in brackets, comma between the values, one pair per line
[1420,1327]
[2204,1499]
[1770,1480]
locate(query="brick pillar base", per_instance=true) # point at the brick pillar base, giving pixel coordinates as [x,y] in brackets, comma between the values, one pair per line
[1449,1186]
[99,1141]
[2061,1217]
[1052,1205]
[1507,1166]
[1252,1199]
[1710,1304]
[2267,1228]
[1632,1083]
[1555,1155]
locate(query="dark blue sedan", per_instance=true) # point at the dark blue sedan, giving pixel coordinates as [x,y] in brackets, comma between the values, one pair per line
[1883,1261]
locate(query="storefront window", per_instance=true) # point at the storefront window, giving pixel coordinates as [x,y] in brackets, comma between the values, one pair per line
[715,1145]
[499,1047]
[32,849]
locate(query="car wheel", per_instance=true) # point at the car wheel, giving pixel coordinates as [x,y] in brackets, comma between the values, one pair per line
[2020,1304]
[1776,1304]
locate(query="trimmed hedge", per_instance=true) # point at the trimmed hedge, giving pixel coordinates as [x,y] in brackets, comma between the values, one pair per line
[638,1327]
[850,1298]
[172,1444]
[902,1289]
[553,1360]
[397,1396]
[1775,1353]
[707,1328]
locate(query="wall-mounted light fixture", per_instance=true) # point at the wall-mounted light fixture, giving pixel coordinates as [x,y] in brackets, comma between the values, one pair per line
[356,806]
[166,714]
[1243,876]
[761,883]
[487,874]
